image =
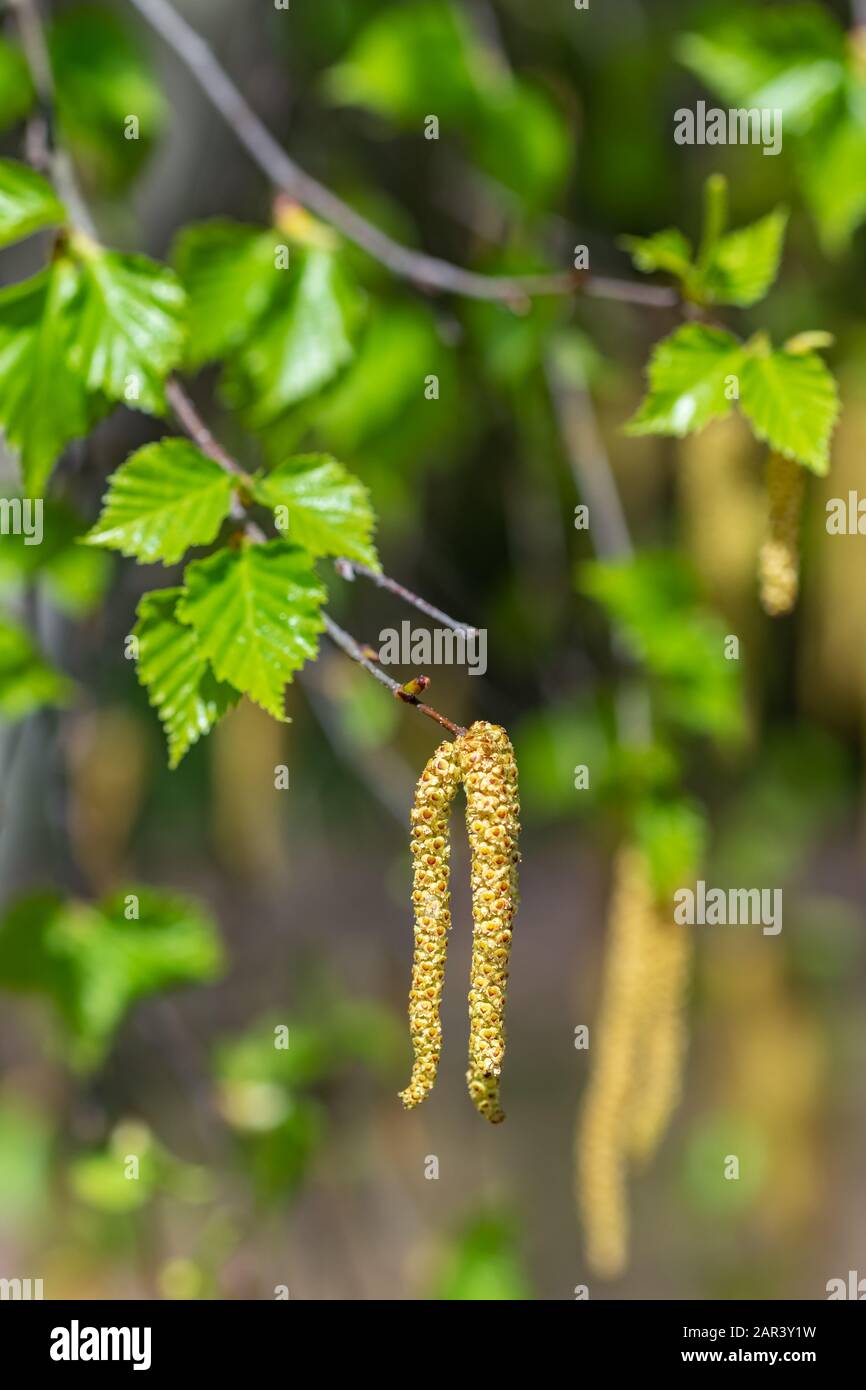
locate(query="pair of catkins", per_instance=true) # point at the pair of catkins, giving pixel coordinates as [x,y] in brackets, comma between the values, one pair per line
[482,759]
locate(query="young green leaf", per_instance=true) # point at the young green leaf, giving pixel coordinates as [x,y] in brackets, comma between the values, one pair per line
[43,402]
[669,250]
[166,498]
[689,382]
[27,203]
[180,685]
[791,401]
[130,330]
[256,613]
[327,510]
[744,264]
[26,682]
[230,277]
[92,963]
[301,343]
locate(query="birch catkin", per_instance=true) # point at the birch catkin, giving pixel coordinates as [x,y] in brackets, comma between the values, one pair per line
[668,954]
[431,851]
[779,562]
[492,818]
[637,1071]
[483,760]
[601,1146]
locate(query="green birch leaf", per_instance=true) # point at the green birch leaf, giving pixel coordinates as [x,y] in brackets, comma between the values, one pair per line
[327,509]
[302,342]
[791,401]
[179,682]
[745,263]
[27,683]
[130,331]
[229,274]
[668,250]
[688,377]
[43,402]
[166,498]
[257,614]
[27,202]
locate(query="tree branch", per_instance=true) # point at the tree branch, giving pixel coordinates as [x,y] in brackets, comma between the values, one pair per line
[348,569]
[428,272]
[593,476]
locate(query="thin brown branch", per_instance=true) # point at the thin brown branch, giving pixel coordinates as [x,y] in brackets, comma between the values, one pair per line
[348,569]
[426,271]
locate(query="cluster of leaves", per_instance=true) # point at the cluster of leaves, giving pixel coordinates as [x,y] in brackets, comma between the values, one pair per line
[416,61]
[100,75]
[698,373]
[91,962]
[93,328]
[249,615]
[97,327]
[799,60]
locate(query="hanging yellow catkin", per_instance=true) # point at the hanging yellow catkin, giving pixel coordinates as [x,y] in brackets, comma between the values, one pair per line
[489,772]
[779,562]
[431,849]
[602,1135]
[661,1047]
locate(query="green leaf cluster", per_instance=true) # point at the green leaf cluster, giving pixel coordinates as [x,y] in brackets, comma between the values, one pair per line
[102,76]
[736,267]
[93,962]
[426,58]
[275,305]
[248,616]
[93,328]
[788,394]
[797,59]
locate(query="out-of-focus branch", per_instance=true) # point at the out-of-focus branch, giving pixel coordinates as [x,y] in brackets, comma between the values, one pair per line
[428,272]
[593,476]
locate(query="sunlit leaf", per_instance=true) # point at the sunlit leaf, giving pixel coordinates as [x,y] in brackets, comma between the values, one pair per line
[180,684]
[689,376]
[328,511]
[27,202]
[791,401]
[130,331]
[43,402]
[166,498]
[256,614]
